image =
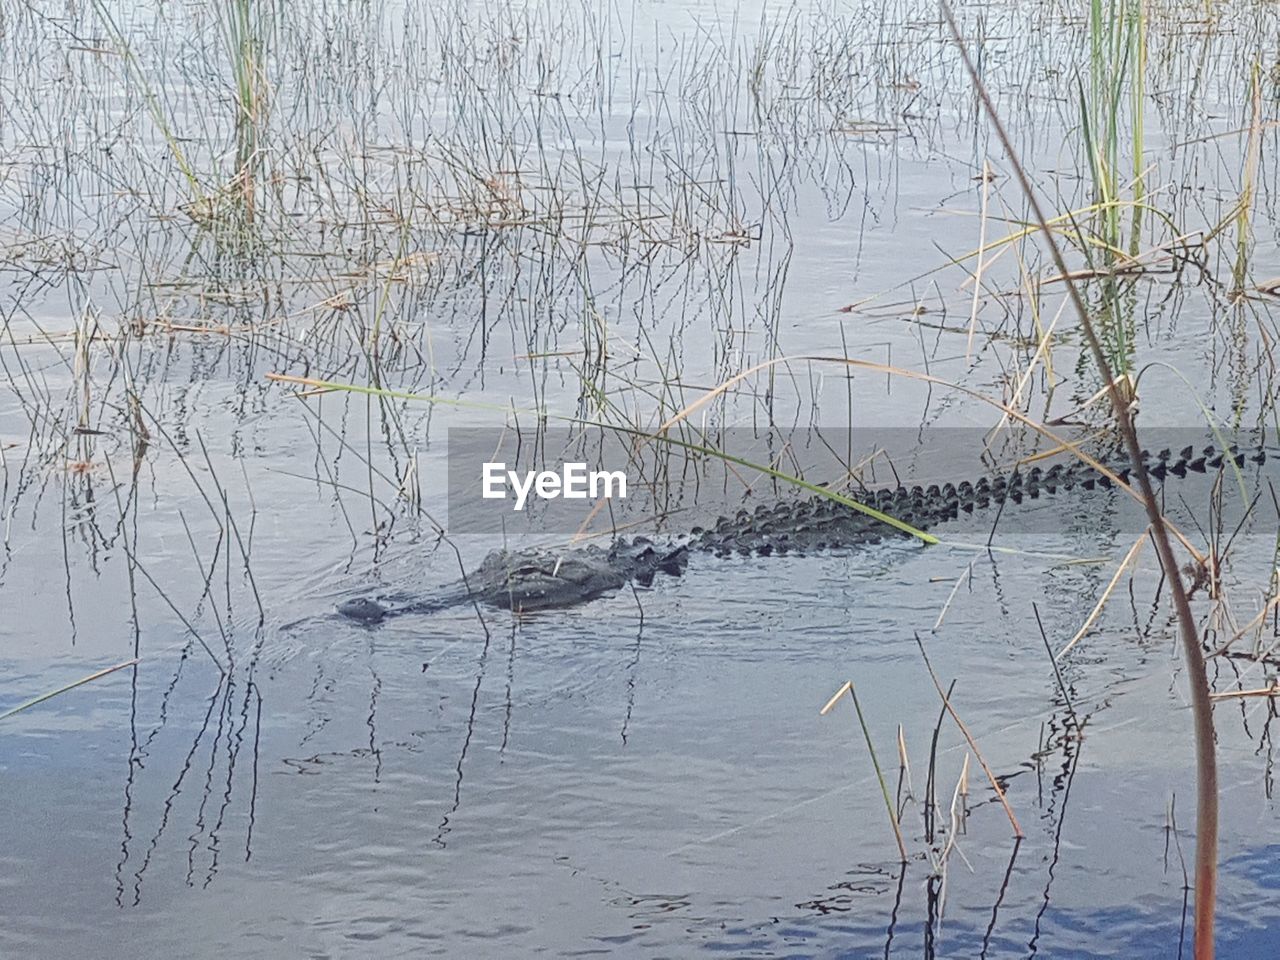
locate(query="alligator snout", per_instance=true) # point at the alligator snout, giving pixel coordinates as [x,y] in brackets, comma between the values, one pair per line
[363,609]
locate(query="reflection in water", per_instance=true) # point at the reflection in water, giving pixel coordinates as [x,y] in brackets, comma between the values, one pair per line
[893,914]
[223,731]
[469,732]
[174,792]
[632,670]
[1004,888]
[1060,793]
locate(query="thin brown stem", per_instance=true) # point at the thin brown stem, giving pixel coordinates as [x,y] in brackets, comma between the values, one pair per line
[973,744]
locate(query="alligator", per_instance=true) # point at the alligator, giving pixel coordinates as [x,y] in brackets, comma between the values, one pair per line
[540,578]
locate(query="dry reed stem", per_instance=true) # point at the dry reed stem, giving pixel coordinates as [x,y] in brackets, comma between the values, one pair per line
[1129,558]
[1272,691]
[903,762]
[962,787]
[1042,350]
[968,572]
[1252,624]
[977,271]
[973,744]
[26,705]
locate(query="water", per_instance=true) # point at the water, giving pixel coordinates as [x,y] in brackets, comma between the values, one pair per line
[598,213]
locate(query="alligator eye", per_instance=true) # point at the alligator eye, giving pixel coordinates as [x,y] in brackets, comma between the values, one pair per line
[528,570]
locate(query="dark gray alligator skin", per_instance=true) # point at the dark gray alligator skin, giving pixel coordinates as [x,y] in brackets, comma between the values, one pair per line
[540,578]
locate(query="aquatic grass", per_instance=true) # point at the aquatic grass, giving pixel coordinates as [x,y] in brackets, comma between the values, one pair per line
[319,385]
[1272,604]
[386,143]
[929,807]
[904,771]
[158,117]
[1117,66]
[1061,443]
[244,25]
[1239,215]
[45,697]
[848,688]
[660,434]
[645,436]
[1068,226]
[84,333]
[985,178]
[957,820]
[1253,151]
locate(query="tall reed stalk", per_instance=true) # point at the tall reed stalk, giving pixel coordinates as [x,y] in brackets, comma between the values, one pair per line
[1248,184]
[245,25]
[1206,861]
[1111,114]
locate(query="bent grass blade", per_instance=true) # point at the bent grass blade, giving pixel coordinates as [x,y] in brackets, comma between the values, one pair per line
[36,701]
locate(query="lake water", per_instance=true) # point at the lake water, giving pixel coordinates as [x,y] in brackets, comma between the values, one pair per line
[524,214]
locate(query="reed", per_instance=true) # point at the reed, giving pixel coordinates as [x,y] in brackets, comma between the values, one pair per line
[245,26]
[1112,119]
[422,215]
[1202,705]
[45,697]
[875,762]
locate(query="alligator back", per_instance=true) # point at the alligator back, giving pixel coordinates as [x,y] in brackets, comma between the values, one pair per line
[542,578]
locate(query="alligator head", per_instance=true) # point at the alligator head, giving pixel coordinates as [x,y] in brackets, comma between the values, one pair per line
[539,579]
[364,609]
